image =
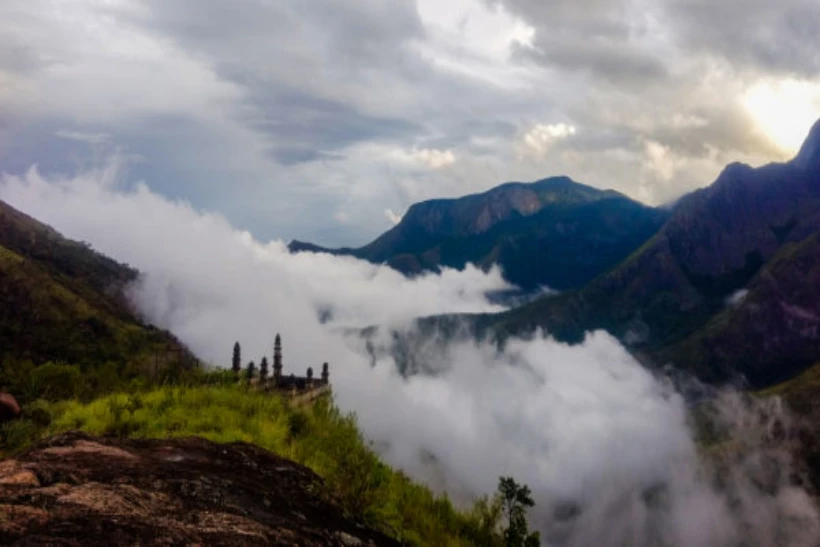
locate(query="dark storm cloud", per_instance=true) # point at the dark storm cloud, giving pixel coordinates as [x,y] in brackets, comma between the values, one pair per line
[313,128]
[613,38]
[605,38]
[615,62]
[296,36]
[293,155]
[779,37]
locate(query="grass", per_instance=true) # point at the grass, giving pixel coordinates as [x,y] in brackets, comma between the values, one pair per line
[9,256]
[318,436]
[800,391]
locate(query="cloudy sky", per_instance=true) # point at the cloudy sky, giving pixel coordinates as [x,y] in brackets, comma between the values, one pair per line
[325,120]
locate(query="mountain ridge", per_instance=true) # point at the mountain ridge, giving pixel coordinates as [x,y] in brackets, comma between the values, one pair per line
[718,240]
[724,290]
[518,226]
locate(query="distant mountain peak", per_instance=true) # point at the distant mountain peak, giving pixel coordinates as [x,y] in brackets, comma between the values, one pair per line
[809,154]
[538,232]
[734,170]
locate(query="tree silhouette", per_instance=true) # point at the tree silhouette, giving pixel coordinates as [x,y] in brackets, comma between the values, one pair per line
[237,359]
[251,371]
[263,369]
[515,499]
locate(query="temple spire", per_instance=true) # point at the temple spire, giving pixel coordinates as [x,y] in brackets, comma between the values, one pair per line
[277,358]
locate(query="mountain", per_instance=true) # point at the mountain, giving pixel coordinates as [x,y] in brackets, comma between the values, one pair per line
[553,232]
[754,230]
[60,301]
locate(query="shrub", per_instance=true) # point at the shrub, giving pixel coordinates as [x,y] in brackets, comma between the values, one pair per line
[17,434]
[53,381]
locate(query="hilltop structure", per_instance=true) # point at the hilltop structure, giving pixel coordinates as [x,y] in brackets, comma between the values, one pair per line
[307,386]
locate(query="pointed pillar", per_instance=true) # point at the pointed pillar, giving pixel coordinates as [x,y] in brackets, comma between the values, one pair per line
[277,360]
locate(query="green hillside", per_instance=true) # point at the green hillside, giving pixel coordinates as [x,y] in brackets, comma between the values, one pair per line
[63,305]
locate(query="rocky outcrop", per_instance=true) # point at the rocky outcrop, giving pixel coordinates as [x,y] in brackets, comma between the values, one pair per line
[9,409]
[75,489]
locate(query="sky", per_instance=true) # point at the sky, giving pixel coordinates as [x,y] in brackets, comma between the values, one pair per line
[325,120]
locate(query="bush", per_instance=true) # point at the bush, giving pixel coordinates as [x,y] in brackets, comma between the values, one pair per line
[298,425]
[17,435]
[53,381]
[39,412]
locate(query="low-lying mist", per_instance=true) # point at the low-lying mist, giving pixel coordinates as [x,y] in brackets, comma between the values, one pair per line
[606,446]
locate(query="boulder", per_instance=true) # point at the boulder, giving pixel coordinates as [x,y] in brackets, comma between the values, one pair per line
[9,409]
[75,489]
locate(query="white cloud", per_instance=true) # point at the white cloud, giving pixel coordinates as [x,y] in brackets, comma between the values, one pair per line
[434,159]
[474,39]
[581,424]
[660,160]
[88,138]
[342,217]
[737,297]
[393,217]
[541,137]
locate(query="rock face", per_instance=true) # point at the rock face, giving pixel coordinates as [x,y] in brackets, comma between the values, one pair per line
[75,489]
[773,330]
[9,409]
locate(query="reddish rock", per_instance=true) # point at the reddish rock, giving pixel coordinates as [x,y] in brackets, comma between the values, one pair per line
[9,409]
[75,489]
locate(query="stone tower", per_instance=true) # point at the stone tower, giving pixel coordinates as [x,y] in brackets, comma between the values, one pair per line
[325,374]
[277,359]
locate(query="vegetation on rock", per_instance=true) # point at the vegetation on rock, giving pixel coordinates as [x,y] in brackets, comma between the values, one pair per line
[214,407]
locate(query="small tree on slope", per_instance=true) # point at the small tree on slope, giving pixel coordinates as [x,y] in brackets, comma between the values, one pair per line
[515,500]
[263,370]
[251,371]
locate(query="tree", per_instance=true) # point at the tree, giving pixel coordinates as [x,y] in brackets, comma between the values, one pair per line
[263,369]
[515,500]
[237,359]
[251,370]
